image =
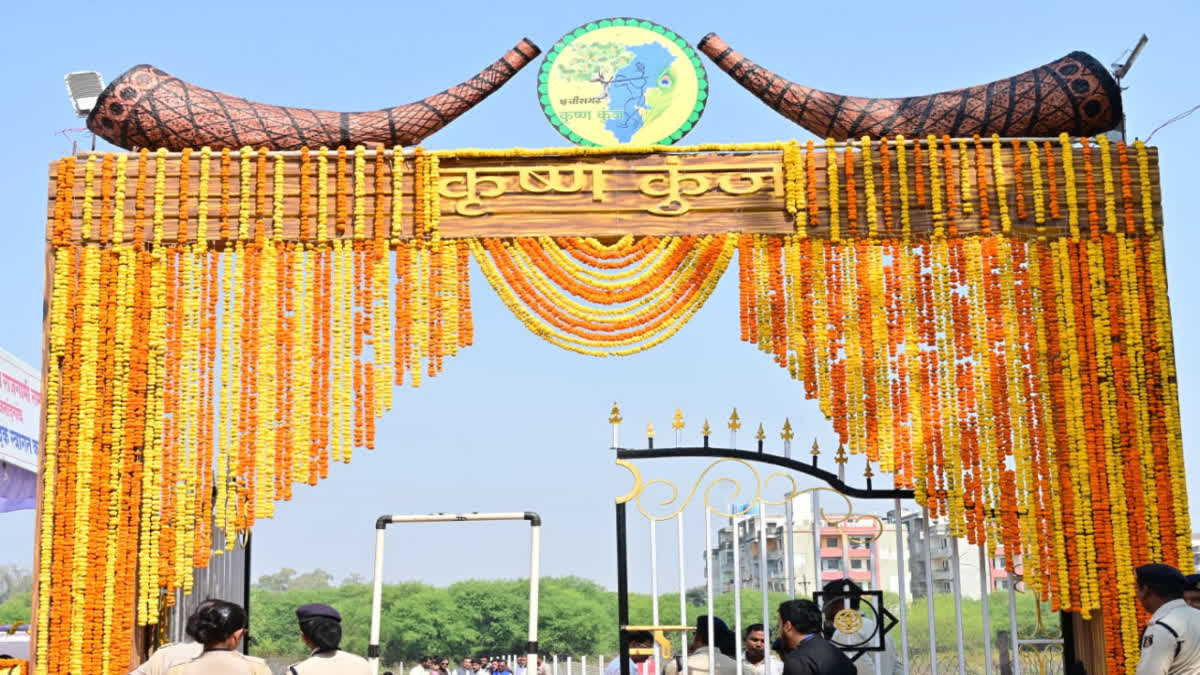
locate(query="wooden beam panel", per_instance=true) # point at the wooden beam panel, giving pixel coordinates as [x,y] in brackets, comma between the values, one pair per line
[616,194]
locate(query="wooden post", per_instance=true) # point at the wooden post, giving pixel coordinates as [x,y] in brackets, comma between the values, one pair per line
[1089,642]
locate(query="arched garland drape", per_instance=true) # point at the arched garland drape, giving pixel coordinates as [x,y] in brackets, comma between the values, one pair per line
[987,321]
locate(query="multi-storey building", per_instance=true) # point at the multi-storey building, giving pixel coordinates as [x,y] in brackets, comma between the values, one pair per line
[861,547]
[932,546]
[744,530]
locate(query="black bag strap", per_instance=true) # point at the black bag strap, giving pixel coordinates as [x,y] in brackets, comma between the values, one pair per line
[1174,633]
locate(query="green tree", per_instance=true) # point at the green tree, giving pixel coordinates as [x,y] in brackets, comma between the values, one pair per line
[316,579]
[17,608]
[279,581]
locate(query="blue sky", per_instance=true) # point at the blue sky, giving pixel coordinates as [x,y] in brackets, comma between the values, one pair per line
[514,423]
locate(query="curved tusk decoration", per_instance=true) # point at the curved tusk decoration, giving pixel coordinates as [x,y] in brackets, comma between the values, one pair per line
[148,108]
[1074,94]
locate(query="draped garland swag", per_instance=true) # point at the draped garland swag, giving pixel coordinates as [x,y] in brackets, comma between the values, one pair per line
[988,320]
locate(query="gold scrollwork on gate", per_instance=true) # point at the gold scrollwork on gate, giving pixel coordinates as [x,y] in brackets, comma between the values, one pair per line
[1039,631]
[1042,659]
[755,497]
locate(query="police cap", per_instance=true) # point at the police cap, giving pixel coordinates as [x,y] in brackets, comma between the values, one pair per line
[1193,582]
[1161,577]
[317,609]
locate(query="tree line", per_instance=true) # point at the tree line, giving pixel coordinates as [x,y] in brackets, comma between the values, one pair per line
[576,616]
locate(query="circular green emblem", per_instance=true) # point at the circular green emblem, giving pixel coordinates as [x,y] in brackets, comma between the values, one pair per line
[622,81]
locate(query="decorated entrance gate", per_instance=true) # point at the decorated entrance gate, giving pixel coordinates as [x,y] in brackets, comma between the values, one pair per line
[970,315]
[986,319]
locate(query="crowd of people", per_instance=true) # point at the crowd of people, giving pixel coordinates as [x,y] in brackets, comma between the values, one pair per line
[479,665]
[807,644]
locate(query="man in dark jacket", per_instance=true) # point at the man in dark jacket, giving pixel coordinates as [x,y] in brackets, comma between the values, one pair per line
[808,652]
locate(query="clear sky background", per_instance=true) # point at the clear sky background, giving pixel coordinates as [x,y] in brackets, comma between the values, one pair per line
[515,423]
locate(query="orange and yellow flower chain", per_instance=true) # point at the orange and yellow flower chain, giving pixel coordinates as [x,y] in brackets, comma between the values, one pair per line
[1023,452]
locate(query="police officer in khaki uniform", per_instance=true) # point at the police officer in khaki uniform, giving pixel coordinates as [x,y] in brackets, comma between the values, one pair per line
[1171,641]
[321,630]
[168,655]
[219,626]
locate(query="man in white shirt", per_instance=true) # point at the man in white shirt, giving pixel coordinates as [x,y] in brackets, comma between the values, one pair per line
[890,663]
[756,660]
[1171,641]
[425,667]
[698,651]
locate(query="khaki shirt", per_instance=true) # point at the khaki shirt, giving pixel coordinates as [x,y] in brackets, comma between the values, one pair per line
[1171,643]
[222,662]
[697,664]
[168,655]
[331,663]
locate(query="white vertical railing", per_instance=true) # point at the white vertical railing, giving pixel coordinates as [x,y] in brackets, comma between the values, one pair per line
[1012,622]
[653,589]
[712,658]
[764,582]
[957,582]
[903,585]
[737,596]
[816,538]
[985,587]
[683,620]
[928,531]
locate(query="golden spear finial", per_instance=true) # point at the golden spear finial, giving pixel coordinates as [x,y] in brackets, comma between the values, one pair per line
[614,417]
[787,434]
[707,430]
[649,429]
[735,422]
[869,473]
[816,449]
[677,423]
[841,457]
[760,435]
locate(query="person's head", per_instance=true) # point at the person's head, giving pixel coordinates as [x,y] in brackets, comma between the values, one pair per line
[840,594]
[320,626]
[722,638]
[217,623]
[501,665]
[426,661]
[1191,590]
[541,659]
[756,639]
[481,663]
[445,663]
[640,639]
[1158,584]
[798,618]
[522,661]
[466,662]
